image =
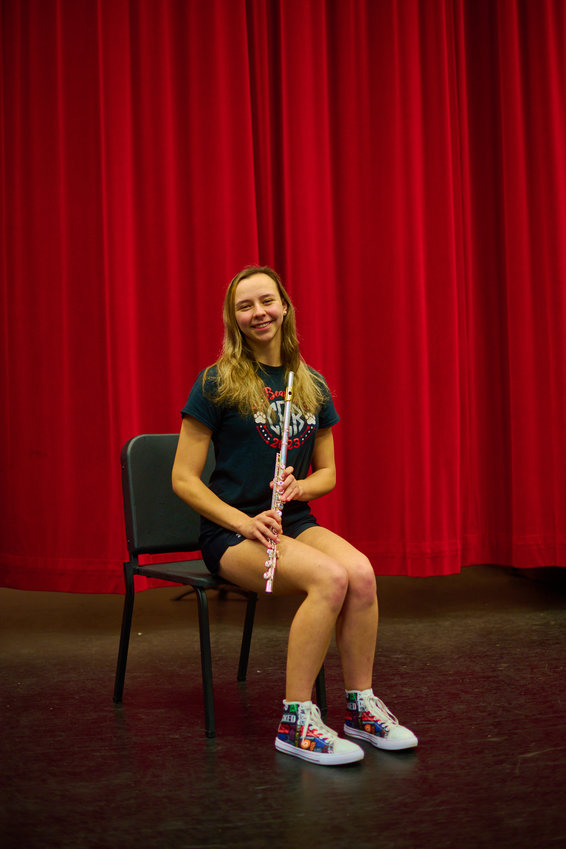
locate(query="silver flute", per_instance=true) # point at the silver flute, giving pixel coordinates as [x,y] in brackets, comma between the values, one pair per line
[276,503]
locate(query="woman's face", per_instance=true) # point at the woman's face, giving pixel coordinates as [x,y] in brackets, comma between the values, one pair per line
[259,311]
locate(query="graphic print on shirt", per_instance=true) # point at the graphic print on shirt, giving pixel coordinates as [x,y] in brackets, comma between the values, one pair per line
[301,425]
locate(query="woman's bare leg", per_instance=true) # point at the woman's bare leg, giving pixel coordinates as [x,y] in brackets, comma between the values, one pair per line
[356,628]
[300,569]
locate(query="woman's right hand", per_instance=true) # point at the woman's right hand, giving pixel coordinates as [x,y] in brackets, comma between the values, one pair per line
[264,527]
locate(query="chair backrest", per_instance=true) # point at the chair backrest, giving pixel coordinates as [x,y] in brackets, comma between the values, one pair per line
[156,519]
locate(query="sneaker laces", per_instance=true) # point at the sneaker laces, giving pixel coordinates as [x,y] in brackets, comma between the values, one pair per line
[313,719]
[374,704]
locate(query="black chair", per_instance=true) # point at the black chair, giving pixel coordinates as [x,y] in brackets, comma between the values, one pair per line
[158,522]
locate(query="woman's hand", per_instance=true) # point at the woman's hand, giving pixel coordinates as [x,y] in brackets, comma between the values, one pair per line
[291,489]
[264,527]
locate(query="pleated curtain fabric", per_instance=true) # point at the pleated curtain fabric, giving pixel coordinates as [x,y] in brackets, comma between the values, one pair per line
[401,164]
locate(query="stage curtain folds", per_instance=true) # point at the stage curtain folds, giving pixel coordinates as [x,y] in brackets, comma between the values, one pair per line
[401,164]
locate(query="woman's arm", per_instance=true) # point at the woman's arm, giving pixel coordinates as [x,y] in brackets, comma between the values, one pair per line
[190,459]
[323,477]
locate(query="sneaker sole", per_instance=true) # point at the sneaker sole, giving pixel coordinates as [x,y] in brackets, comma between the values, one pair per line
[380,742]
[329,759]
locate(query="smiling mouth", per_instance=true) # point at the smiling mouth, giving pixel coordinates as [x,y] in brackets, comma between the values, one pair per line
[260,326]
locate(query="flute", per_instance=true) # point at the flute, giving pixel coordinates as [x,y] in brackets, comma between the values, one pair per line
[276,503]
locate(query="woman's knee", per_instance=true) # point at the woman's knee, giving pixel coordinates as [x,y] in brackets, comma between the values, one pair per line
[361,579]
[332,580]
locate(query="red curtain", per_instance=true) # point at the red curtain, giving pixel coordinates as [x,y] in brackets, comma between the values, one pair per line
[402,164]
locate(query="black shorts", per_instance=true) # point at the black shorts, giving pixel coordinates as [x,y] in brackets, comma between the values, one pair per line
[214,543]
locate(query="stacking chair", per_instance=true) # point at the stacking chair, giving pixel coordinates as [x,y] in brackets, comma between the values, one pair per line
[159,522]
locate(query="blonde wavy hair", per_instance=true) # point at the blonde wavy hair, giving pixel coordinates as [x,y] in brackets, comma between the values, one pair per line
[237,381]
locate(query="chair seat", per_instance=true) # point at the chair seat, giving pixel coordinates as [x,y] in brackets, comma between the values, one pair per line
[191,572]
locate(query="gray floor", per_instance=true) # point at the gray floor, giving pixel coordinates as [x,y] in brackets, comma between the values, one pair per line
[473,663]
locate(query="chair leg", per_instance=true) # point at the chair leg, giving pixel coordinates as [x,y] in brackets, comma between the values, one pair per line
[321,692]
[124,634]
[247,637]
[206,663]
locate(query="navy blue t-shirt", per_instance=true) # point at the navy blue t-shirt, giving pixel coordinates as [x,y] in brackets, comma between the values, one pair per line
[246,446]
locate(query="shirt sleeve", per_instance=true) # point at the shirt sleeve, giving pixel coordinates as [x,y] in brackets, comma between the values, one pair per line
[201,406]
[327,415]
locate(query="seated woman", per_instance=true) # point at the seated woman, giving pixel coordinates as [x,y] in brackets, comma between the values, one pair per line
[237,403]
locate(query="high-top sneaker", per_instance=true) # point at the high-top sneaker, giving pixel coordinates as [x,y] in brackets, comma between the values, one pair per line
[367,718]
[302,733]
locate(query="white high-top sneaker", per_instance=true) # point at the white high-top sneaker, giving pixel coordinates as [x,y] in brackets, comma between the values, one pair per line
[303,734]
[367,718]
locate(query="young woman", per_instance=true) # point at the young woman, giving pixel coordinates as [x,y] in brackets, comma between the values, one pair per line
[238,403]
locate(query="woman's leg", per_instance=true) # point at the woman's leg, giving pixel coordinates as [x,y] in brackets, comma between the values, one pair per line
[300,569]
[367,718]
[356,628]
[340,590]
